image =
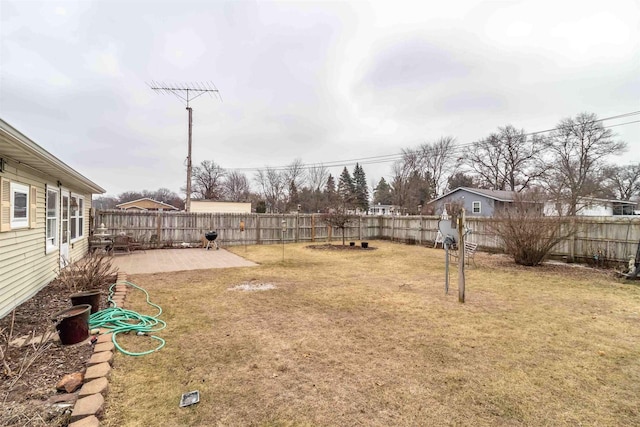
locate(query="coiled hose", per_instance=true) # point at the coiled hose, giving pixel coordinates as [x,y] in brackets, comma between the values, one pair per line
[118,320]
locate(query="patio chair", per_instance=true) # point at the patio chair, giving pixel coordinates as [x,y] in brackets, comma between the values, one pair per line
[135,245]
[120,243]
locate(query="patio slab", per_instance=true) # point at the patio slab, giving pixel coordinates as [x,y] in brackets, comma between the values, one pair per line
[166,260]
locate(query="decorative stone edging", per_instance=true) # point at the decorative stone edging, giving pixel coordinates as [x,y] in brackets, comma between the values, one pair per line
[90,404]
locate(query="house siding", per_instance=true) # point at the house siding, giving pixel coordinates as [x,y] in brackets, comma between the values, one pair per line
[198,206]
[487,206]
[25,267]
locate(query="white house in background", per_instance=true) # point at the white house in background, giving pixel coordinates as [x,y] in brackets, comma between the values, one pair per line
[44,216]
[592,206]
[380,209]
[208,206]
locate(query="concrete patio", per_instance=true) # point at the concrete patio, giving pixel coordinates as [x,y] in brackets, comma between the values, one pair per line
[166,260]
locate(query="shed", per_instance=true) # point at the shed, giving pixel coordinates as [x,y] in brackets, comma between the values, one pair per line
[44,216]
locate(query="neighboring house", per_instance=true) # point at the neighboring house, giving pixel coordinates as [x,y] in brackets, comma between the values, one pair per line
[207,206]
[592,206]
[44,216]
[475,201]
[146,204]
[380,209]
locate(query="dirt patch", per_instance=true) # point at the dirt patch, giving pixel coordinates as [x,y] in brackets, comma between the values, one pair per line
[24,392]
[330,247]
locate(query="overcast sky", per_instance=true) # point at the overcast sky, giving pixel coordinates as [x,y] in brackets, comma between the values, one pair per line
[319,81]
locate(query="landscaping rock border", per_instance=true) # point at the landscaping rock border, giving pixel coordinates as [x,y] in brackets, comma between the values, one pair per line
[90,404]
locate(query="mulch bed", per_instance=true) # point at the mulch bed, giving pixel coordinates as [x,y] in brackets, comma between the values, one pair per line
[24,392]
[330,247]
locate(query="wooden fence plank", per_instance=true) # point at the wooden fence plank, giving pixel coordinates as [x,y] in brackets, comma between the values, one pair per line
[614,238]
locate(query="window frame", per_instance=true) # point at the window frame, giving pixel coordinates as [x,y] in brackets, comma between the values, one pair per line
[477,203]
[52,243]
[16,187]
[76,222]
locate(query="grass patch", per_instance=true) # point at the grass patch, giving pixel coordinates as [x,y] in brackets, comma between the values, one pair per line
[369,338]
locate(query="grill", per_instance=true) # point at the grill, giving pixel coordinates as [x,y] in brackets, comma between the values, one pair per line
[211,237]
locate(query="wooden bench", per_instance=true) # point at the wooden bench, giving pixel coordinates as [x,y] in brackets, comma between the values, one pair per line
[469,252]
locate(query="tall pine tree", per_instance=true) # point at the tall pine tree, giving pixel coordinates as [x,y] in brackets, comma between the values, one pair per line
[346,188]
[330,195]
[361,192]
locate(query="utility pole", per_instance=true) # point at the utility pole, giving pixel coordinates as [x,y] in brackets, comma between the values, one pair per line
[187,92]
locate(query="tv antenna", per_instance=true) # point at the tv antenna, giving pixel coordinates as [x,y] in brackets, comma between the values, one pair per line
[187,92]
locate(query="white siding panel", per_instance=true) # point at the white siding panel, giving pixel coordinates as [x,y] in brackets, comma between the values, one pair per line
[25,268]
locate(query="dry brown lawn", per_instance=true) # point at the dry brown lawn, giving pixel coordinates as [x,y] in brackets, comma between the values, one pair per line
[369,338]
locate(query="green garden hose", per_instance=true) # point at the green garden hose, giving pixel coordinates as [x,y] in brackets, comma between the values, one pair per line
[119,320]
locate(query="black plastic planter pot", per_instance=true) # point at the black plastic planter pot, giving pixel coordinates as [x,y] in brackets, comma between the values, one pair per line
[352,243]
[91,297]
[73,324]
[364,245]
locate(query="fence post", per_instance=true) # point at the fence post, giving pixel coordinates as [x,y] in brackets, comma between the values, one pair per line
[257,228]
[313,227]
[158,228]
[393,227]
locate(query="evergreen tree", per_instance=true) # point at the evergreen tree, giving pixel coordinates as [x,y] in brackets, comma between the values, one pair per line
[361,192]
[346,188]
[330,195]
[382,193]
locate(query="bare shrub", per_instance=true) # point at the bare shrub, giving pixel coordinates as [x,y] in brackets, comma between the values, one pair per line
[528,236]
[339,219]
[93,271]
[13,370]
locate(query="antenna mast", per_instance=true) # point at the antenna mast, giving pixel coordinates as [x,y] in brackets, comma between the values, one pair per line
[187,92]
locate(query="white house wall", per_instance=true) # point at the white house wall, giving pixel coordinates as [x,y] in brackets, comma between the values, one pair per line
[25,267]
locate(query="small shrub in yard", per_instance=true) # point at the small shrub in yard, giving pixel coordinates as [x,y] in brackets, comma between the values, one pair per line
[93,271]
[339,219]
[528,236]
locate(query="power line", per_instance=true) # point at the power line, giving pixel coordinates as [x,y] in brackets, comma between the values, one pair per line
[386,158]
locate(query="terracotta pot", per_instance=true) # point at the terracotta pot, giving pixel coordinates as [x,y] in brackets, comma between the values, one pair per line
[73,324]
[91,297]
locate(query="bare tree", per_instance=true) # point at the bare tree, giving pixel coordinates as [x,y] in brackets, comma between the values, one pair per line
[507,159]
[317,178]
[577,149]
[272,185]
[439,161]
[339,219]
[207,181]
[236,187]
[105,202]
[295,172]
[622,182]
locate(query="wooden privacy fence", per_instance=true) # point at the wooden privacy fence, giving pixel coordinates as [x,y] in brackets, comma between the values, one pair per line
[606,237]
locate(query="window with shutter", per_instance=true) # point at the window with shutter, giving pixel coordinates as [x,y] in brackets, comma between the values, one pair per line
[5,204]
